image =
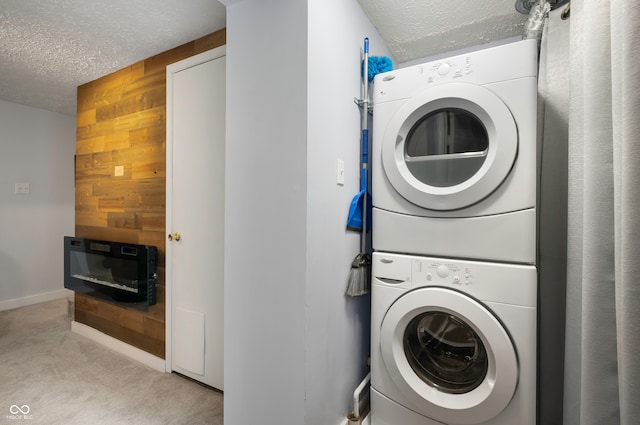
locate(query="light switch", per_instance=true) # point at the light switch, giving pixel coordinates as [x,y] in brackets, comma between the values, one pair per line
[340,172]
[119,171]
[22,188]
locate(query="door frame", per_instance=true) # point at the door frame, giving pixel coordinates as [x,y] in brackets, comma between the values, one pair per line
[174,68]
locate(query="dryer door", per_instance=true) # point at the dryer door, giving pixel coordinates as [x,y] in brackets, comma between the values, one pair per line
[449,356]
[450,146]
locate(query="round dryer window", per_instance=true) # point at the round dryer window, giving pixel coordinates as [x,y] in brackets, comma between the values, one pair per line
[450,146]
[449,356]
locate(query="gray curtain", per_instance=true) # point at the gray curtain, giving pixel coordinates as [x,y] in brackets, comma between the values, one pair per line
[602,355]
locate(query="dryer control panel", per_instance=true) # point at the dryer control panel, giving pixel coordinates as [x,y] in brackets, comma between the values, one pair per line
[477,67]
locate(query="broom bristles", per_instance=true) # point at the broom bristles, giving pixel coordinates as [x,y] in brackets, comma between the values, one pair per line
[359,276]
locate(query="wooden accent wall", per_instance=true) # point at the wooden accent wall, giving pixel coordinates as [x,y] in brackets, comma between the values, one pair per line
[121,122]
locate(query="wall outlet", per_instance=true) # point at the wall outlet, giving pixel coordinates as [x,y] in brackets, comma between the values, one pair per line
[22,188]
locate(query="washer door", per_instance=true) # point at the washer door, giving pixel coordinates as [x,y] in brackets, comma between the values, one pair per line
[449,356]
[450,146]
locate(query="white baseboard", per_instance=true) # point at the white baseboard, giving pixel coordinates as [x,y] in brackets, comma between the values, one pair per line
[116,345]
[34,299]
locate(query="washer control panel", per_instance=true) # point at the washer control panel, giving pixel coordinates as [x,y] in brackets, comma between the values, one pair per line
[497,282]
[441,272]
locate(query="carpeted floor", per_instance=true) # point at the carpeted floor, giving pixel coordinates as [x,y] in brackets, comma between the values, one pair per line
[49,375]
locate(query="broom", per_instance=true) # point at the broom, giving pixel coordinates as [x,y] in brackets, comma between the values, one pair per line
[360,274]
[361,265]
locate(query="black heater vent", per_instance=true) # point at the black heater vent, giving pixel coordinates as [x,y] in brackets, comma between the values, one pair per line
[120,273]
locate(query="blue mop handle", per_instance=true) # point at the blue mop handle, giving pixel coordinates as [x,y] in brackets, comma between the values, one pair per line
[365,146]
[365,160]
[365,112]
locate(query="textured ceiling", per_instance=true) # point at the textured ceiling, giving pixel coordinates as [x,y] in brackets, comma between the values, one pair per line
[415,29]
[48,48]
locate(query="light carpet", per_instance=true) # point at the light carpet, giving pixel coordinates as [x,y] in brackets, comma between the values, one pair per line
[49,375]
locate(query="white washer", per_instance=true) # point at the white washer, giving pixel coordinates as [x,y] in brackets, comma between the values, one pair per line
[452,342]
[454,156]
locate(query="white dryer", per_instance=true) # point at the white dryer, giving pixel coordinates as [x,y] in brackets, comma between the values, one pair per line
[452,342]
[454,156]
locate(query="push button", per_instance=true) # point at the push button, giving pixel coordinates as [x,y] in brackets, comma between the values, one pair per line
[444,69]
[442,271]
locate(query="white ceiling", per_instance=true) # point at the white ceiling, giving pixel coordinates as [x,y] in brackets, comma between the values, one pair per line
[48,48]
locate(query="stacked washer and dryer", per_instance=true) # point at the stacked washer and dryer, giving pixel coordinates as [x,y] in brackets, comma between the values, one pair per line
[454,280]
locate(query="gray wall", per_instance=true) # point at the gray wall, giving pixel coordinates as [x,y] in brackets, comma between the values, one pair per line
[266,202]
[295,346]
[337,326]
[36,147]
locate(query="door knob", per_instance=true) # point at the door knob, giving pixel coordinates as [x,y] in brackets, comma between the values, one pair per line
[174,236]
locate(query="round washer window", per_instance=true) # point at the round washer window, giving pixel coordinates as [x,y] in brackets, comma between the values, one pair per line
[445,352]
[446,147]
[454,323]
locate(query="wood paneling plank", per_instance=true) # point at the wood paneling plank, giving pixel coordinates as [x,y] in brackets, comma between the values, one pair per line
[153,222]
[92,219]
[129,104]
[86,118]
[124,220]
[211,41]
[154,136]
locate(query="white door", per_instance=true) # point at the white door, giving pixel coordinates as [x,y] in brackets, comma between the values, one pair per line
[195,216]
